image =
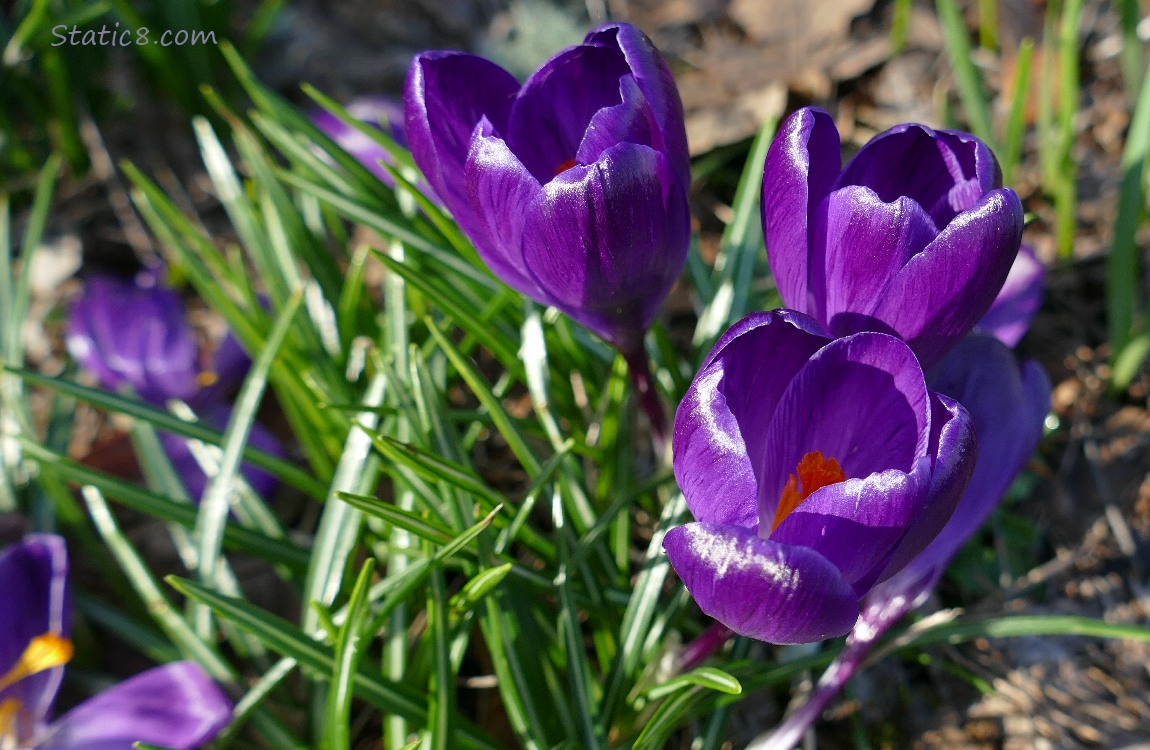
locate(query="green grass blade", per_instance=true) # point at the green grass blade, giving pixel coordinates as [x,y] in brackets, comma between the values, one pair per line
[1016,120]
[1122,263]
[161,420]
[349,646]
[339,525]
[277,551]
[169,620]
[966,77]
[213,513]
[739,247]
[281,636]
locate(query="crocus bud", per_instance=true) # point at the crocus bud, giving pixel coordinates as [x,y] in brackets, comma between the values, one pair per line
[573,186]
[176,705]
[807,463]
[914,237]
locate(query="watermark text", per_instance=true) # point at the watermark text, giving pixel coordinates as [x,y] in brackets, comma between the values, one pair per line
[74,36]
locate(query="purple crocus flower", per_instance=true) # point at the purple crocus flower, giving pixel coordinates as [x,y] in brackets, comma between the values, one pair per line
[814,468]
[176,705]
[573,186]
[914,237]
[1017,303]
[1007,403]
[136,333]
[377,111]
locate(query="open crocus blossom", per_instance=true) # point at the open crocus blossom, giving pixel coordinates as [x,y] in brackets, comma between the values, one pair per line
[176,705]
[1007,403]
[914,237]
[814,468]
[573,186]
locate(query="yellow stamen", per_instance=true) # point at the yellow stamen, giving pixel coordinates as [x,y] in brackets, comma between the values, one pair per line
[44,652]
[207,378]
[813,472]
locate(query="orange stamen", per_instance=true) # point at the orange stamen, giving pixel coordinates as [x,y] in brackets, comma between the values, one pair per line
[565,166]
[813,473]
[44,652]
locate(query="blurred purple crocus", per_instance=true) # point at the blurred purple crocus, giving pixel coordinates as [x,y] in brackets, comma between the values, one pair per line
[815,469]
[914,237]
[1017,303]
[573,186]
[176,705]
[1007,403]
[377,111]
[135,332]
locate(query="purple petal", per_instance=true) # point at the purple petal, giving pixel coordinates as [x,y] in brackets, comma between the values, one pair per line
[230,365]
[1009,316]
[773,592]
[945,172]
[654,78]
[631,121]
[867,242]
[953,450]
[608,241]
[499,187]
[176,706]
[943,291]
[376,111]
[800,170]
[857,523]
[861,400]
[34,582]
[445,97]
[1008,405]
[556,104]
[262,482]
[720,423]
[127,334]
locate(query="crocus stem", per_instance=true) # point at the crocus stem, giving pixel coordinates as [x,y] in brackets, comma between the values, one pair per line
[790,733]
[644,383]
[707,643]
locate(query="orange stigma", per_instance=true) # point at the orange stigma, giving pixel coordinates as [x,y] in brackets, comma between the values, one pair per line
[565,166]
[813,473]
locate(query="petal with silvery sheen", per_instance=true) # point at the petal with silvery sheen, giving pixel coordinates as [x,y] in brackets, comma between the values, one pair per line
[800,171]
[498,188]
[942,292]
[773,592]
[445,96]
[945,172]
[867,242]
[606,241]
